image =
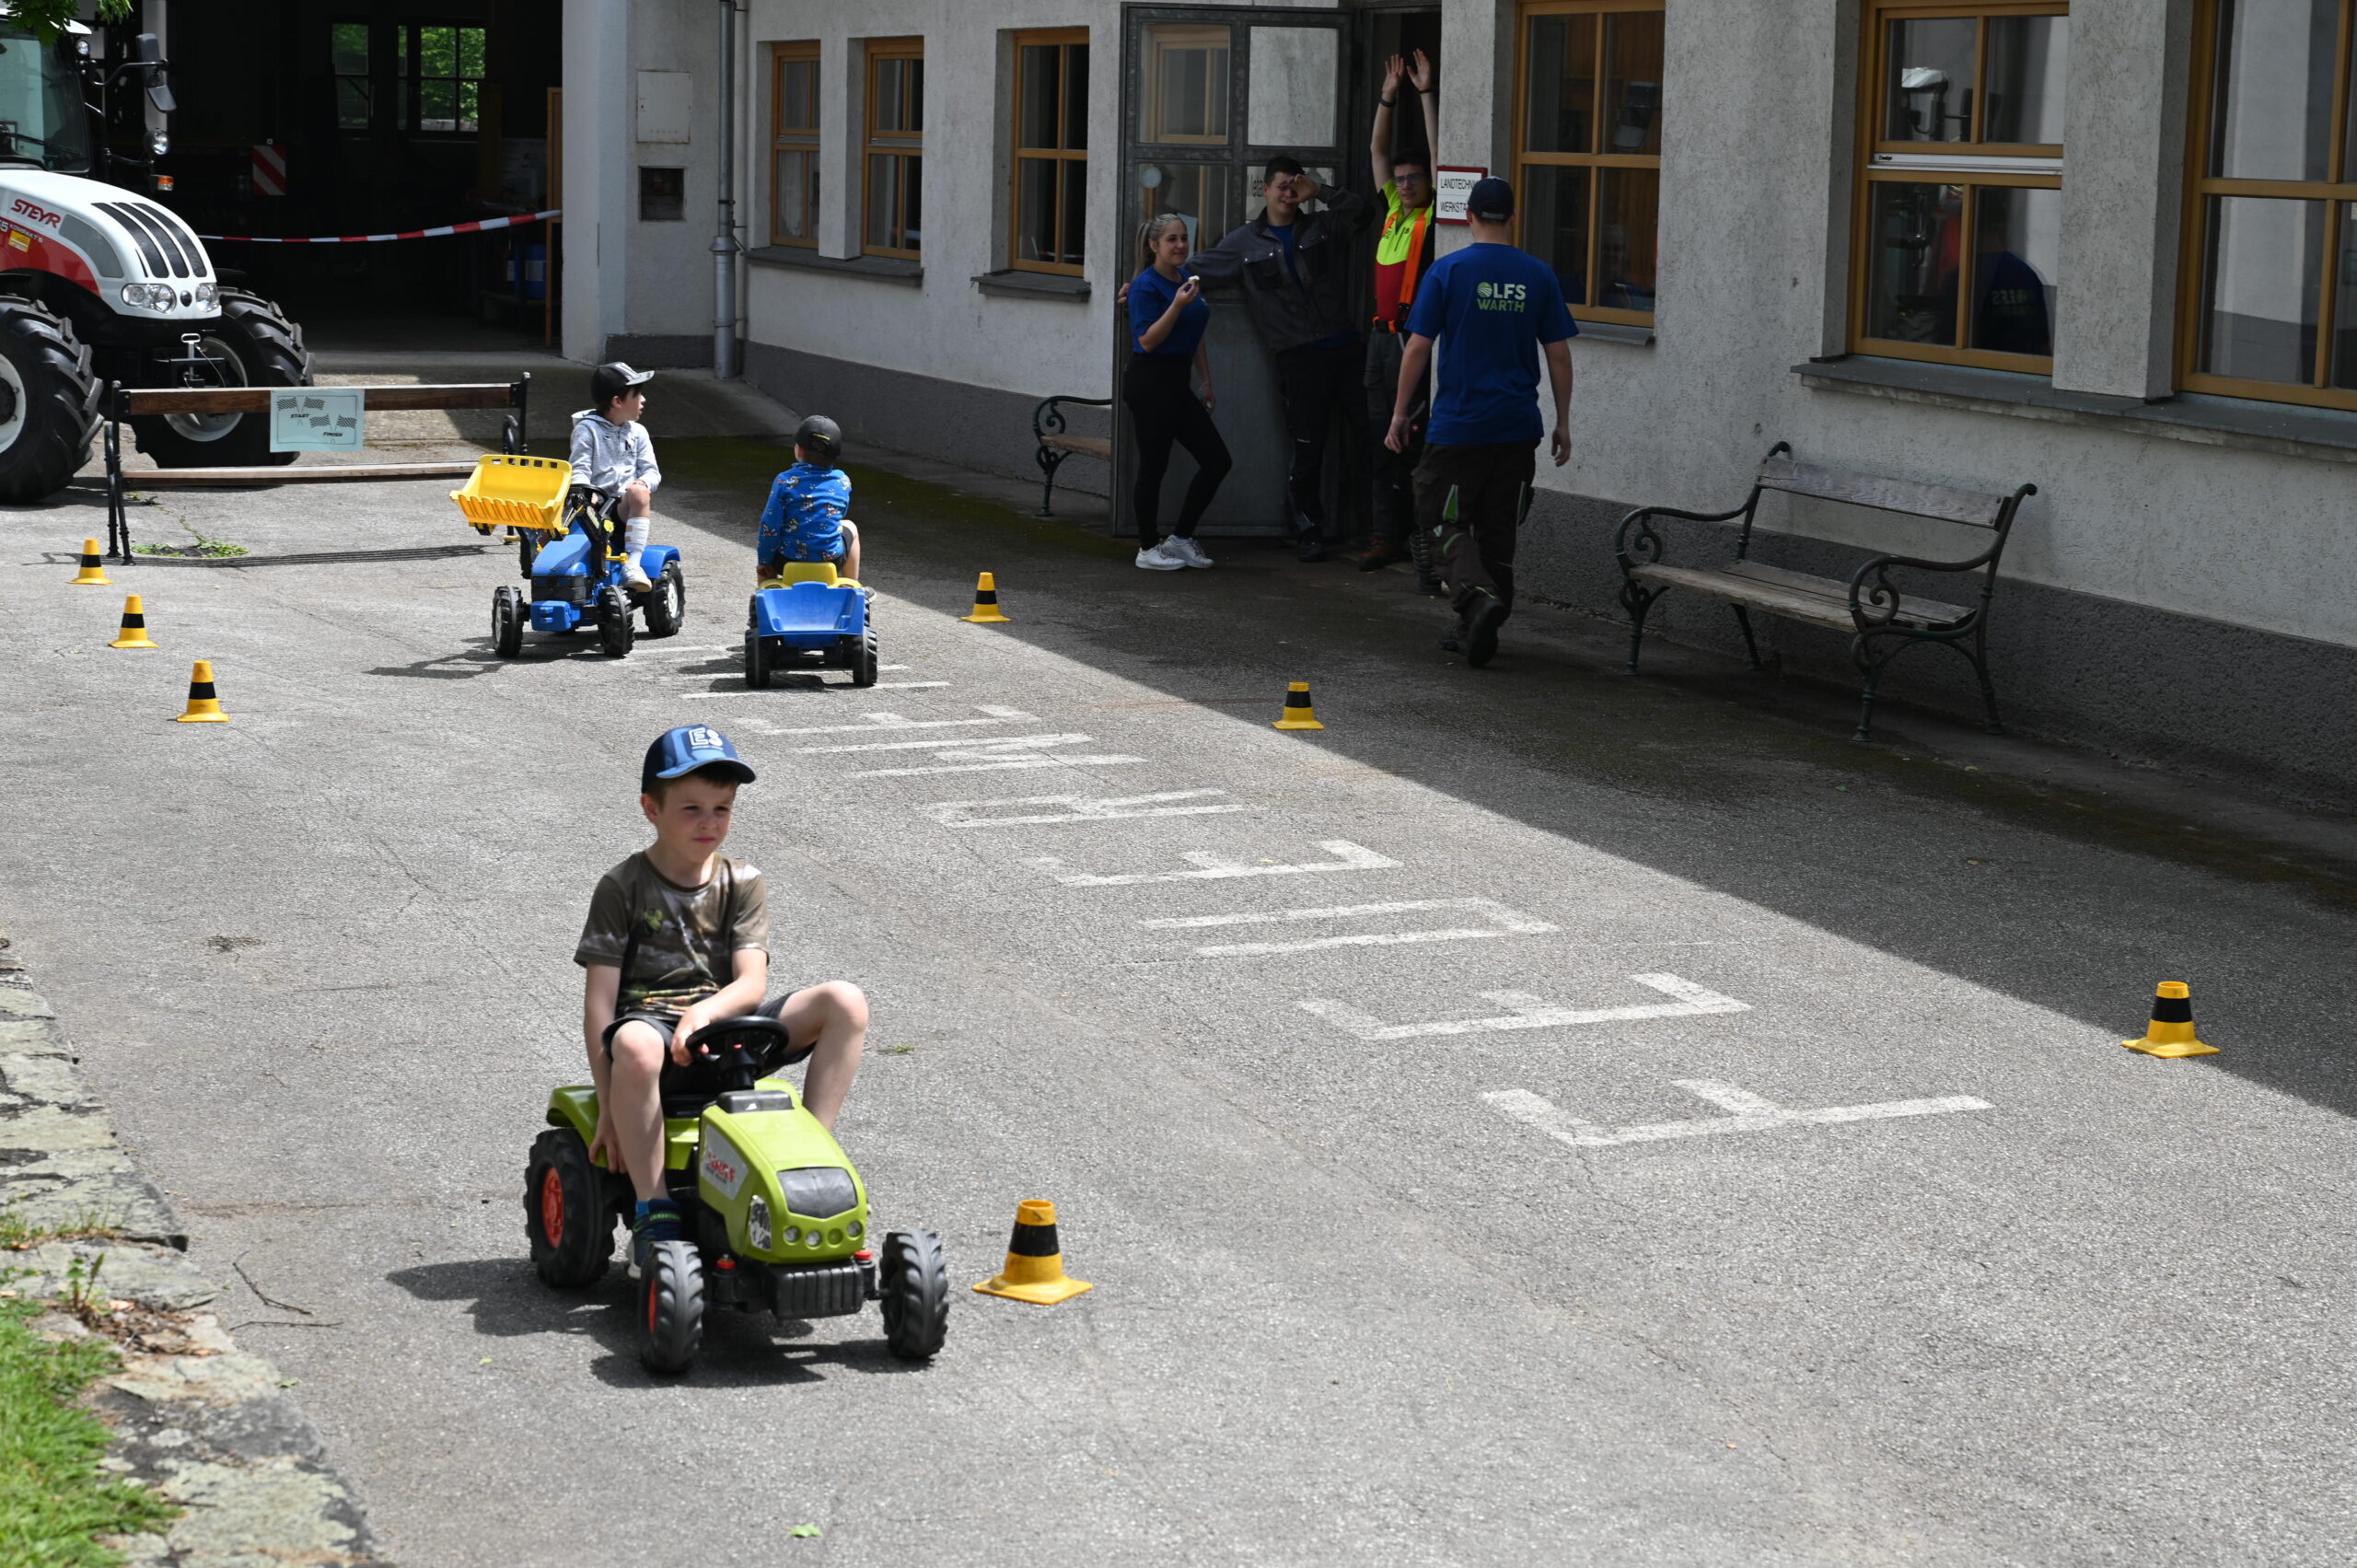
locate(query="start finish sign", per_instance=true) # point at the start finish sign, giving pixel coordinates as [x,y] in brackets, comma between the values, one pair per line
[314,418]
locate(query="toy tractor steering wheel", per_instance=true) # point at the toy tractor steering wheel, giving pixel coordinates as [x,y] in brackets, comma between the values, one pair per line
[741,1050]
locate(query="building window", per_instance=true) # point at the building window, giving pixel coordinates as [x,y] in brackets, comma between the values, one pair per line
[1049,198]
[894,200]
[1588,151]
[355,93]
[794,137]
[440,72]
[2270,307]
[1959,216]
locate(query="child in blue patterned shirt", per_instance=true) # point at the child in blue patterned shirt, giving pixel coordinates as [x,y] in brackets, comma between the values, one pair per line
[804,520]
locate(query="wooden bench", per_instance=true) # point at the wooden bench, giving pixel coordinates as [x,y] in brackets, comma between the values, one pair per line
[1882,621]
[122,402]
[1055,445]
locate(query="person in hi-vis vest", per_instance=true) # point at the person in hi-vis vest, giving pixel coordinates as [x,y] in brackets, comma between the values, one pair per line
[1402,251]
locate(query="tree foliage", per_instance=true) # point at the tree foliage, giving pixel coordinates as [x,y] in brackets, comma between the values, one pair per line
[48,17]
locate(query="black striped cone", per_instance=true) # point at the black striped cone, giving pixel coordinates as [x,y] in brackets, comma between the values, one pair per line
[1298,714]
[985,601]
[2171,1032]
[94,572]
[1035,1260]
[134,626]
[204,703]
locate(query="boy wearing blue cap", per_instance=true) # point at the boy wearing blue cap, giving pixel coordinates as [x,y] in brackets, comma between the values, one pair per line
[677,938]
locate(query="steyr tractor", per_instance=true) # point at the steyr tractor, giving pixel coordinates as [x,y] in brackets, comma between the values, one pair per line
[100,284]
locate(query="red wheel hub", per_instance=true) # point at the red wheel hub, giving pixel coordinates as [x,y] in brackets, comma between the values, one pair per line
[552,1207]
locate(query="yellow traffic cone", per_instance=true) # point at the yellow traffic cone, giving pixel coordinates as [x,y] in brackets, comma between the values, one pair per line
[2171,1030]
[94,573]
[1298,714]
[134,626]
[1035,1263]
[204,706]
[985,601]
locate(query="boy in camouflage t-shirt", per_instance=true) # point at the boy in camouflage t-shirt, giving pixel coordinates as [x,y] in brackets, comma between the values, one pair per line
[677,938]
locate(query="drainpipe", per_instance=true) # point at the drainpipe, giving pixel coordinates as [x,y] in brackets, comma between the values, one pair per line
[723,243]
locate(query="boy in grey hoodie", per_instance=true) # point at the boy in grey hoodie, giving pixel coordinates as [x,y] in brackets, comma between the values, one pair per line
[611,452]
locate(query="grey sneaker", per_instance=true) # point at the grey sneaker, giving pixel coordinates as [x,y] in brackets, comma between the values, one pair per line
[1162,558]
[1187,550]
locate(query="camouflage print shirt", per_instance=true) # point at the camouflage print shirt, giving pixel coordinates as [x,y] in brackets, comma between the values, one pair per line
[688,937]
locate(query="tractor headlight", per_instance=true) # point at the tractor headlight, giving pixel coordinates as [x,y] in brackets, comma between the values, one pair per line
[853,1228]
[815,1240]
[147,296]
[793,1234]
[757,1224]
[159,143]
[207,293]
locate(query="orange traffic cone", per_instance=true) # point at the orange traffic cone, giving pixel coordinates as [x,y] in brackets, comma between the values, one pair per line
[94,573]
[134,626]
[2171,1032]
[1298,714]
[203,704]
[985,601]
[1035,1260]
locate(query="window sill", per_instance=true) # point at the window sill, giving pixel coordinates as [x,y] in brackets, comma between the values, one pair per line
[1616,333]
[2283,429]
[885,269]
[1014,285]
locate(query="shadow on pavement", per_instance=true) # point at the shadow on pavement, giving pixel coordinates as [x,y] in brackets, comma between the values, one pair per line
[741,1350]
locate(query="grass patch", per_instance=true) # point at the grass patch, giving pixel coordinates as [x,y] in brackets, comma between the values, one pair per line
[54,1501]
[204,547]
[18,1233]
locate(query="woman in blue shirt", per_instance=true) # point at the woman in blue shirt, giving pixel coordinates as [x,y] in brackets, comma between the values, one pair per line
[1167,314]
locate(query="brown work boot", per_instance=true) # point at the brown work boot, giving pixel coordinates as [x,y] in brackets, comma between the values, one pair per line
[1379,554]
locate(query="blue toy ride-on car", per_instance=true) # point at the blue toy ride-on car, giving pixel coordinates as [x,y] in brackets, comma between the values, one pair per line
[807,616]
[577,579]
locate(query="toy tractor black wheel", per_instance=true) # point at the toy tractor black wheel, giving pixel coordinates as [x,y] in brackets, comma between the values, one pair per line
[863,658]
[506,620]
[670,1308]
[48,402]
[667,607]
[572,1230]
[616,630]
[912,1278]
[757,662]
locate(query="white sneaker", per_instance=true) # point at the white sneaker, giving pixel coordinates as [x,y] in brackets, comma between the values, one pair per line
[1187,550]
[1162,558]
[634,576]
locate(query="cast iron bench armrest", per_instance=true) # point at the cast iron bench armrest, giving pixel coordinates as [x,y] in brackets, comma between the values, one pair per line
[1650,542]
[1054,446]
[1878,605]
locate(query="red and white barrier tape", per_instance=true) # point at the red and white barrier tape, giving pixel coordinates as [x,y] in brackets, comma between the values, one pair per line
[484,225]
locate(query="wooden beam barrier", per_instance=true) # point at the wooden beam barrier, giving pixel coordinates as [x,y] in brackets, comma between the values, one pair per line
[139,400]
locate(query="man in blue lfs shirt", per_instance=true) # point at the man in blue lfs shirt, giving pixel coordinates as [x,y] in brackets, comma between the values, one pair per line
[1492,308]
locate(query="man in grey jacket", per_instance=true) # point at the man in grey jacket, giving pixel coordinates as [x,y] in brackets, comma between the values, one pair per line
[1295,268]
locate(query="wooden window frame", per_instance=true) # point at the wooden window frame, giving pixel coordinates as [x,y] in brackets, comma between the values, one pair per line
[1019,155]
[797,139]
[1596,162]
[2338,190]
[2039,168]
[903,144]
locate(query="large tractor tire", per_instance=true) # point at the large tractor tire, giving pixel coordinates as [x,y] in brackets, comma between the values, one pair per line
[48,402]
[255,345]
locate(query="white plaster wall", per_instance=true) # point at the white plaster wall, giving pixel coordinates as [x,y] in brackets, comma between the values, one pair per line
[596,168]
[670,282]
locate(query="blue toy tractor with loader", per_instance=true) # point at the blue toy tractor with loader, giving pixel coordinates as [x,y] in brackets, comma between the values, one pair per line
[808,616]
[568,547]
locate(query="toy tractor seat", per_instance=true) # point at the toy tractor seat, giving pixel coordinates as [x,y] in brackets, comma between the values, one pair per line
[821,572]
[730,1054]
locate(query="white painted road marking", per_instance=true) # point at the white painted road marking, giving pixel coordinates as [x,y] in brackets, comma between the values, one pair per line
[1751,1114]
[1079,809]
[814,669]
[871,722]
[988,756]
[1525,1011]
[1509,923]
[1214,867]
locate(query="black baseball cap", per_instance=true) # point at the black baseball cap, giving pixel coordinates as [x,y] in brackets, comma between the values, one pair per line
[1490,199]
[820,435]
[611,381]
[691,748]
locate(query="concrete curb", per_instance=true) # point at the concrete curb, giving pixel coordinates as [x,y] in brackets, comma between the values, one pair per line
[207,1426]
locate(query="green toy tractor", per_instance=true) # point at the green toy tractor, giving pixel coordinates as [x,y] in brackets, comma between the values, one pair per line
[776,1216]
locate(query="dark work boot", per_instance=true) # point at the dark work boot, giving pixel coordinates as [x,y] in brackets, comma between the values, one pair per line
[1481,631]
[1308,546]
[1379,555]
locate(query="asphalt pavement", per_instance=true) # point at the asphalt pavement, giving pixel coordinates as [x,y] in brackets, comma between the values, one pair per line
[1542,1117]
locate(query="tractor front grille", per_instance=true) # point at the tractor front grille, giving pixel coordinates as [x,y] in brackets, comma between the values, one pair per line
[818,1290]
[566,588]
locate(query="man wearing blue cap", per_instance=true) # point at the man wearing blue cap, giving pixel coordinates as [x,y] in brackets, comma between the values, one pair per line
[1492,308]
[677,938]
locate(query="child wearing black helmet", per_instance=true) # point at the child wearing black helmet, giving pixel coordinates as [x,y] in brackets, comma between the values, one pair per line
[611,452]
[804,520]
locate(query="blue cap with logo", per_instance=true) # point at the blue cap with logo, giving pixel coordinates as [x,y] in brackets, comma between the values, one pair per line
[689,748]
[1490,199]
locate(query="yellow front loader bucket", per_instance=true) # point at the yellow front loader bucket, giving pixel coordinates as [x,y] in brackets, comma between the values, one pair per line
[515,493]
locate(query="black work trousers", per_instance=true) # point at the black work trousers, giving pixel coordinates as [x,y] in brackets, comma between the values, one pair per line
[1321,386]
[1392,510]
[1163,410]
[1470,502]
